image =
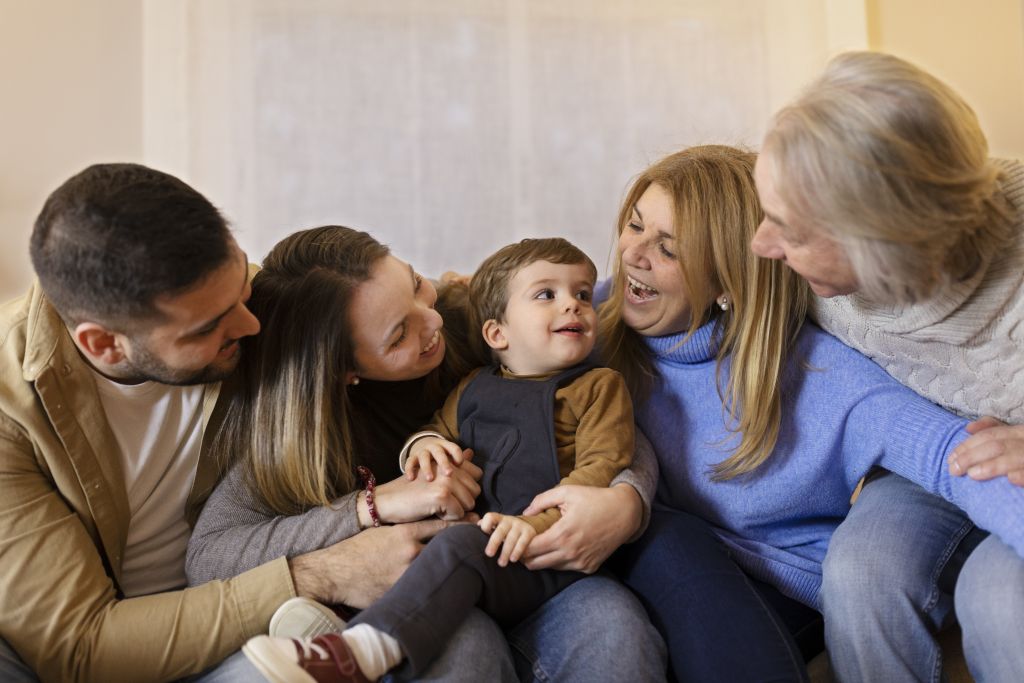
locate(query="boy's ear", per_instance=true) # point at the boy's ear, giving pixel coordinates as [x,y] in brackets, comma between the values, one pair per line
[99,343]
[494,335]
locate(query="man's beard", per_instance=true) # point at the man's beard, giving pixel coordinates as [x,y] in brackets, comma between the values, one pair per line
[146,367]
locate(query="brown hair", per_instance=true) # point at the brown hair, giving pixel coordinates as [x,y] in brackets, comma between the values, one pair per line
[488,290]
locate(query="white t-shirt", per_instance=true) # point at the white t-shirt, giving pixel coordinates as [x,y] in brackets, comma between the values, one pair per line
[159,430]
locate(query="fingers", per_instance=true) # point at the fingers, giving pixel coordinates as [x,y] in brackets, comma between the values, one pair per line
[983,423]
[547,499]
[516,542]
[421,462]
[491,524]
[994,450]
[509,534]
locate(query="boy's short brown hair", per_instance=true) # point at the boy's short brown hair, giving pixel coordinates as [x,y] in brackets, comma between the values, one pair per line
[488,290]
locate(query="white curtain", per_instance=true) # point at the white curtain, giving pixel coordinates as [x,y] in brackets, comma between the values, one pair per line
[448,128]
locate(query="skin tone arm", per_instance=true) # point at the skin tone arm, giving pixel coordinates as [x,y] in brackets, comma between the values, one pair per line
[509,534]
[595,521]
[995,449]
[358,570]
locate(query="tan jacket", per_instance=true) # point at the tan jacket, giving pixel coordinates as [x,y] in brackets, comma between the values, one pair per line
[63,523]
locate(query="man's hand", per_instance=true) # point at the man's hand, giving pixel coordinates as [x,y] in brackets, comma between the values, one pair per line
[427,452]
[994,449]
[508,532]
[595,521]
[360,569]
[449,498]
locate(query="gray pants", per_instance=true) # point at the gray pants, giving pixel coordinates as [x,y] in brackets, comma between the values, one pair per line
[449,578]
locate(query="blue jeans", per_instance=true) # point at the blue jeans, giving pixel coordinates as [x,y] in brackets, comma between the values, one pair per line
[594,630]
[716,621]
[990,607]
[888,579]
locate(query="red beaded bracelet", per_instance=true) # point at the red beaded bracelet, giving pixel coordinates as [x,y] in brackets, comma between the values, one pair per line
[369,483]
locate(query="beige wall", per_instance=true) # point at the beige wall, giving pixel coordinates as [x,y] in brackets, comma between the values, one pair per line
[977,47]
[71,80]
[72,89]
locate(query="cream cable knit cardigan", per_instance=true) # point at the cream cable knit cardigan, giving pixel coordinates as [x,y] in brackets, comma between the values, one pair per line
[964,347]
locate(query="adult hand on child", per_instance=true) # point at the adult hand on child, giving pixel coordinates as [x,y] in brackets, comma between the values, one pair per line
[508,532]
[449,498]
[595,521]
[360,569]
[994,449]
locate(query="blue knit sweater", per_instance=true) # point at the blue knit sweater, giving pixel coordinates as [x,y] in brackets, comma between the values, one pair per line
[841,415]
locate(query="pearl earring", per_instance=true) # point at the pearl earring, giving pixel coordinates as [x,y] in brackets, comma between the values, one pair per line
[723,302]
[355,381]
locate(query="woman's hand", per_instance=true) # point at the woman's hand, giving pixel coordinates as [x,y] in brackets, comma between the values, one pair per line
[994,449]
[449,498]
[595,521]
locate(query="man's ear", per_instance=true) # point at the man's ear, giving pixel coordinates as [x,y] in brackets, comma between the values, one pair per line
[99,343]
[494,335]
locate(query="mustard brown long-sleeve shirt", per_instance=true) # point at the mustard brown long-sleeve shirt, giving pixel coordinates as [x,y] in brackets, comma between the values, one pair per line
[593,429]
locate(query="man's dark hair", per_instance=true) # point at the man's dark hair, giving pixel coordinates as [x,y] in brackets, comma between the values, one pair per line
[115,237]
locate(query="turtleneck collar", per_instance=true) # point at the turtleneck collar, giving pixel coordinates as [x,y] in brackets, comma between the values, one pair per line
[700,348]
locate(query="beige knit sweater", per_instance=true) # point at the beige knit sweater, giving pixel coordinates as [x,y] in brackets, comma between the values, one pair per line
[964,347]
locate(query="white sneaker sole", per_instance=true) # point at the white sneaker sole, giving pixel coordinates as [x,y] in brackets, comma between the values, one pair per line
[272,663]
[302,618]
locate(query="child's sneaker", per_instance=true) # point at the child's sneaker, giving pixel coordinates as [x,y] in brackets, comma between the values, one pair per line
[324,659]
[304,618]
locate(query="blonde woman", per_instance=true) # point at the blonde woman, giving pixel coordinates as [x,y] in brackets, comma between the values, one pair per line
[878,190]
[762,425]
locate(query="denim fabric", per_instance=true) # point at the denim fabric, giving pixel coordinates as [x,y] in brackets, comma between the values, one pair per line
[880,593]
[594,630]
[716,623]
[235,669]
[12,669]
[990,607]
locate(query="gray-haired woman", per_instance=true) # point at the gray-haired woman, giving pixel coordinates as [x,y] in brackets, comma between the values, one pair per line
[878,190]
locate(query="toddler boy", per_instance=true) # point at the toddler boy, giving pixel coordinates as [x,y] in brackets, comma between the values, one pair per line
[539,417]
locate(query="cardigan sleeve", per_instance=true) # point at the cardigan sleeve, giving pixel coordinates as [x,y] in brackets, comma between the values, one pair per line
[236,532]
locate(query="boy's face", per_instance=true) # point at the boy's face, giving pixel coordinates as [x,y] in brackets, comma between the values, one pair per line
[549,322]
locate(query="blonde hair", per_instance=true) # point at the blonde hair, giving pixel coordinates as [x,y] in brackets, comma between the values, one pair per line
[716,212]
[893,165]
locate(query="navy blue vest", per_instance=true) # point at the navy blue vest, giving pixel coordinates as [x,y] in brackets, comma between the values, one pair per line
[510,425]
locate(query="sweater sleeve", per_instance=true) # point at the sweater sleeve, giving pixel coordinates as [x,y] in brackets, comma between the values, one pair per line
[642,475]
[236,532]
[920,437]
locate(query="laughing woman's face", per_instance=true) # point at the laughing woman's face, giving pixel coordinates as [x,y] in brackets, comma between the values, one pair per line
[655,301]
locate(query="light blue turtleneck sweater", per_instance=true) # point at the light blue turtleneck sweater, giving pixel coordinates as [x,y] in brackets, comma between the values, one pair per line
[841,415]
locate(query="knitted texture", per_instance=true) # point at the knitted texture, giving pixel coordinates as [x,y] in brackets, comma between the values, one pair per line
[964,347]
[841,415]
